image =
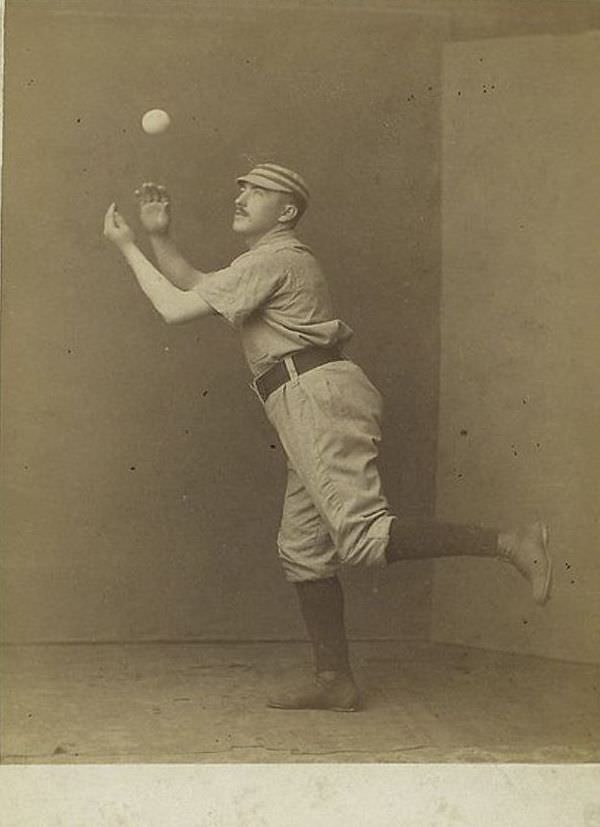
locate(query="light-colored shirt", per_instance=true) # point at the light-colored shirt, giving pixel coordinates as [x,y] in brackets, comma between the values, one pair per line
[277,296]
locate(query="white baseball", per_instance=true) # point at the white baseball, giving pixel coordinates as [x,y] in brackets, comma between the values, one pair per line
[155,121]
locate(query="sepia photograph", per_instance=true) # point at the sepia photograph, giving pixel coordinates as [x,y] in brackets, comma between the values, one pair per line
[300,393]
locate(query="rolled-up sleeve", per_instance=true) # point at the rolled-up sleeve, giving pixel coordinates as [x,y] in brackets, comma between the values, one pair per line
[238,290]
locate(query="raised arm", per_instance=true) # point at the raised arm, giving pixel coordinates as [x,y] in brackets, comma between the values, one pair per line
[155,216]
[173,304]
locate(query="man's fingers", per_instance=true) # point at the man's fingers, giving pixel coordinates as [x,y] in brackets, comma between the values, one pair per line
[113,217]
[108,218]
[141,193]
[149,193]
[118,219]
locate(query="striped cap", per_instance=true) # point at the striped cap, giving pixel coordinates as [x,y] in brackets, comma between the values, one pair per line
[280,179]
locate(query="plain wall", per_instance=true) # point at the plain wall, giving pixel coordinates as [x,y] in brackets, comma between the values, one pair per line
[520,313]
[142,484]
[140,489]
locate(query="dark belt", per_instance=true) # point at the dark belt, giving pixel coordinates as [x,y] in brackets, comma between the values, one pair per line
[303,360]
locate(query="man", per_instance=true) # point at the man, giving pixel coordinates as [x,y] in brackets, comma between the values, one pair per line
[324,409]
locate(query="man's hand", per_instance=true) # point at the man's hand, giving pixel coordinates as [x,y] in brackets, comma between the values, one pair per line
[155,211]
[116,228]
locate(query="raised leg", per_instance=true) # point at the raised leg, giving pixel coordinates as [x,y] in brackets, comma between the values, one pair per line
[526,549]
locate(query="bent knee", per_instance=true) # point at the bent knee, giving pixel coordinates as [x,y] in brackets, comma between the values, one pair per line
[368,550]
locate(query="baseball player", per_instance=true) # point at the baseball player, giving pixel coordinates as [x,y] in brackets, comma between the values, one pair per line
[324,408]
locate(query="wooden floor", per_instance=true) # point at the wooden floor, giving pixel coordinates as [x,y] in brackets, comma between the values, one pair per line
[205,703]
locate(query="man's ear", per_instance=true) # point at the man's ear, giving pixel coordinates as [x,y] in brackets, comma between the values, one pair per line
[288,213]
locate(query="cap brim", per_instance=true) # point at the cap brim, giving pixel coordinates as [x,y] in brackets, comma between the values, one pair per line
[265,183]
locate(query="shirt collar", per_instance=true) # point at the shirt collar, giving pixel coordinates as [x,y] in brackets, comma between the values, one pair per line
[278,235]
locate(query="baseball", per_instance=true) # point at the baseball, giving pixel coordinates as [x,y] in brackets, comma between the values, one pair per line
[155,121]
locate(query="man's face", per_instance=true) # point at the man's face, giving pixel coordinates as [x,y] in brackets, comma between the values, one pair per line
[257,210]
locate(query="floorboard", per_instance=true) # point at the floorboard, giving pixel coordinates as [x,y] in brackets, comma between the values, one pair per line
[205,703]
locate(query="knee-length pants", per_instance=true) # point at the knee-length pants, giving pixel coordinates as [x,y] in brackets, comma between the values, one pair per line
[335,512]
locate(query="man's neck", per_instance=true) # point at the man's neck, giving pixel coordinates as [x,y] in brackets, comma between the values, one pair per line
[276,232]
